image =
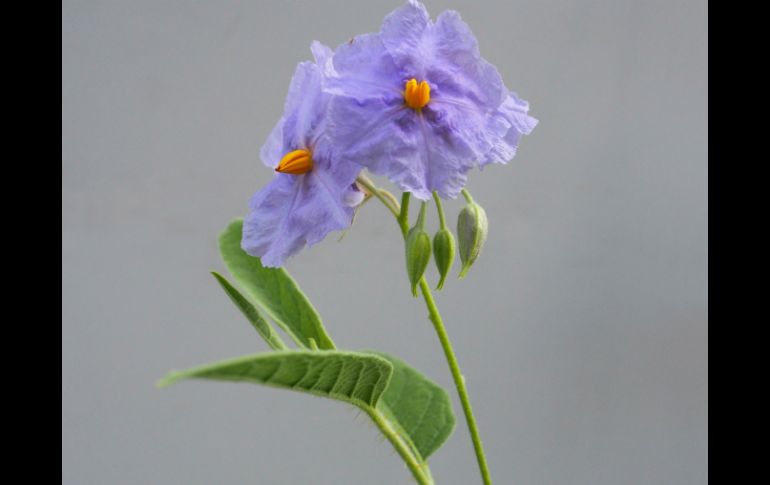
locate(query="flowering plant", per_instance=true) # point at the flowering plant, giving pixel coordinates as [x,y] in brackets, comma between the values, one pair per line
[416,103]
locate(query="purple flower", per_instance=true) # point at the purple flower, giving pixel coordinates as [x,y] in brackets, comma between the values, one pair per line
[417,103]
[313,192]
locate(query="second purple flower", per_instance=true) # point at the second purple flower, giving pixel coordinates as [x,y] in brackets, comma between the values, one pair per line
[417,103]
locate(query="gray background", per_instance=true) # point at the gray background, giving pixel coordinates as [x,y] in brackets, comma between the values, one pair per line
[582,330]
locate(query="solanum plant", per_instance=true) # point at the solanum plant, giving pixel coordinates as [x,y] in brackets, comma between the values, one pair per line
[416,103]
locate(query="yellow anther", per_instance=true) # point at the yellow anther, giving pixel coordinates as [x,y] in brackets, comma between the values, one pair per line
[296,162]
[416,96]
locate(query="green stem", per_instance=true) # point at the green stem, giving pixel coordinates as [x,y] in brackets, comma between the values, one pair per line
[440,209]
[420,472]
[368,185]
[446,344]
[467,196]
[462,391]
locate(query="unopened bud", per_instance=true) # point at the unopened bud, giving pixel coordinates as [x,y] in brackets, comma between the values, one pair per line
[443,254]
[417,251]
[417,255]
[471,233]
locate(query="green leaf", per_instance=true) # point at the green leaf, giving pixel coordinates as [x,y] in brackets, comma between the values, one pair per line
[358,379]
[274,290]
[260,324]
[413,413]
[421,408]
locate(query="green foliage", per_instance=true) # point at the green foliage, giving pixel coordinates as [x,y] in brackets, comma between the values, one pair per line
[421,408]
[413,413]
[416,408]
[356,378]
[273,290]
[251,313]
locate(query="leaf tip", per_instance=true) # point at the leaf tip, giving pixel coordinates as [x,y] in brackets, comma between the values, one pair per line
[169,379]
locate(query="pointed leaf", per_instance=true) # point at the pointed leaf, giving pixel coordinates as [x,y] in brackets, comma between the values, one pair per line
[382,386]
[352,377]
[274,290]
[421,407]
[260,324]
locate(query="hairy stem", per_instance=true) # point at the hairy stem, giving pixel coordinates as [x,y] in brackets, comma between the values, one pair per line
[420,471]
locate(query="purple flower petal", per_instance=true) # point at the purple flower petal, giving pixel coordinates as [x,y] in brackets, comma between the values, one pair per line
[304,110]
[513,118]
[403,35]
[293,211]
[362,68]
[471,119]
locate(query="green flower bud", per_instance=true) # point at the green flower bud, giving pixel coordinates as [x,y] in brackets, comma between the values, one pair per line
[443,253]
[417,255]
[471,232]
[417,250]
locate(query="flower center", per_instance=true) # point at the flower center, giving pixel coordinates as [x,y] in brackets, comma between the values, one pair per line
[296,162]
[416,96]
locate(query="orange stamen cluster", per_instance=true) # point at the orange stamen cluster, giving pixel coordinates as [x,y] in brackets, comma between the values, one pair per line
[296,162]
[416,96]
